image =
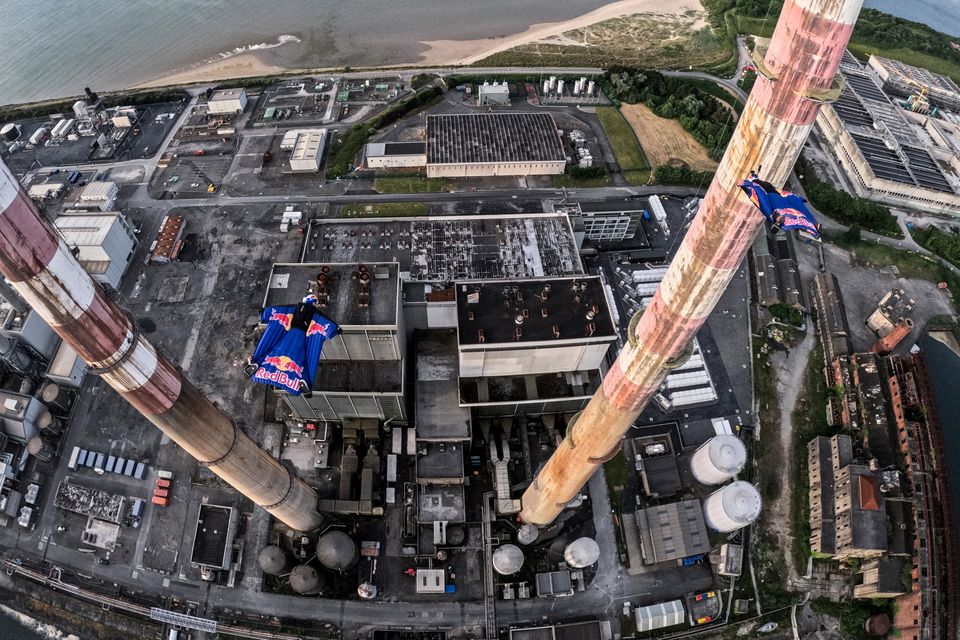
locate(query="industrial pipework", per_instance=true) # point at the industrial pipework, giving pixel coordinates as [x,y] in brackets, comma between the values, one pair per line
[45,273]
[796,76]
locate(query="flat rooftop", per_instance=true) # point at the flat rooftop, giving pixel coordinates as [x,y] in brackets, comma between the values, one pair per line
[672,531]
[226,94]
[439,415]
[396,148]
[540,310]
[441,503]
[493,138]
[442,462]
[214,536]
[918,74]
[290,282]
[359,376]
[547,386]
[450,248]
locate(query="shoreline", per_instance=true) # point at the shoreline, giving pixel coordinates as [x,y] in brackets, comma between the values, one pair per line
[438,52]
[38,627]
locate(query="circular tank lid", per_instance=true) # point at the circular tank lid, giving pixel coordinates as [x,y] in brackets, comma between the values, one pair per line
[7,127]
[527,534]
[336,551]
[582,553]
[50,392]
[304,579]
[35,446]
[456,535]
[507,559]
[727,453]
[741,501]
[367,590]
[44,420]
[272,559]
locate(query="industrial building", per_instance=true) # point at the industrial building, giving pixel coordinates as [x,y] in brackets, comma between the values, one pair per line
[166,248]
[609,226]
[104,244]
[672,531]
[362,371]
[532,346]
[213,537]
[502,144]
[307,151]
[906,80]
[494,94]
[45,190]
[656,461]
[588,630]
[847,511]
[231,101]
[99,196]
[893,309]
[776,271]
[886,156]
[660,615]
[831,317]
[395,155]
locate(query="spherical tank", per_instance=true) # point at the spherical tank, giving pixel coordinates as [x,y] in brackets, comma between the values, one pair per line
[274,561]
[10,132]
[718,459]
[367,591]
[527,534]
[336,551]
[732,507]
[507,559]
[581,553]
[305,579]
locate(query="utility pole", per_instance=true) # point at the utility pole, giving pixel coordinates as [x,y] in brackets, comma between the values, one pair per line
[796,76]
[45,273]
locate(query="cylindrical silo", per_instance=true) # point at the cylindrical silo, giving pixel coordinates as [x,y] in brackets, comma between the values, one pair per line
[48,424]
[718,459]
[581,553]
[732,507]
[40,449]
[336,551]
[559,87]
[305,580]
[546,87]
[527,534]
[274,561]
[590,86]
[56,398]
[10,132]
[553,82]
[507,559]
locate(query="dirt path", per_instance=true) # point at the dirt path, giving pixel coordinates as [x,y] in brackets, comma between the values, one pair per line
[665,141]
[790,369]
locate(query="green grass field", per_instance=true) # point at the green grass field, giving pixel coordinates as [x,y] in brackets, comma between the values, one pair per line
[384,210]
[626,147]
[570,182]
[410,184]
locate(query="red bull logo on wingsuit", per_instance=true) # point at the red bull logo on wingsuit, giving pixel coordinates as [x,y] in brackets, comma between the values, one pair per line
[288,354]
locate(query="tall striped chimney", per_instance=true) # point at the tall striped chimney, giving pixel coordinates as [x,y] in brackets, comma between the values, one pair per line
[45,273]
[795,77]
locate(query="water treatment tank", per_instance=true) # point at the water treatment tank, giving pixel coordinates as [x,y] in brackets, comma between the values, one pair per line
[274,561]
[732,507]
[336,551]
[581,553]
[305,579]
[718,459]
[527,534]
[507,559]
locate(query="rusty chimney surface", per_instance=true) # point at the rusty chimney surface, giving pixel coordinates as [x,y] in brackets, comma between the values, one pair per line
[797,74]
[44,272]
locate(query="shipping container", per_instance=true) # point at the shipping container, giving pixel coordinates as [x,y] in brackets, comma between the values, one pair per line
[163,483]
[161,493]
[98,464]
[139,471]
[159,501]
[111,461]
[128,469]
[137,509]
[72,464]
[82,458]
[120,464]
[164,474]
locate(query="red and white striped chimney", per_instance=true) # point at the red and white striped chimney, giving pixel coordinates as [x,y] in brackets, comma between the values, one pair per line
[801,63]
[47,275]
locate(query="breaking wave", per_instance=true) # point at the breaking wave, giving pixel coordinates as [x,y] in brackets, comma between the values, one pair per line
[40,628]
[247,48]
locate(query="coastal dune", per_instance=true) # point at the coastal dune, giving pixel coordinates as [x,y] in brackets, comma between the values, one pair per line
[439,52]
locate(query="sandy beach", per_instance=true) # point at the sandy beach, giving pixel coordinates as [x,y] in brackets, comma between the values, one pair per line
[455,52]
[439,52]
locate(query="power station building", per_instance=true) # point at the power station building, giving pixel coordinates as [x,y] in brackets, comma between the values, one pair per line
[361,371]
[532,346]
[493,144]
[104,244]
[905,80]
[395,155]
[230,101]
[884,150]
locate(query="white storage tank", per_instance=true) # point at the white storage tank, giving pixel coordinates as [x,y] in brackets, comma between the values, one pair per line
[274,561]
[582,553]
[527,534]
[718,459]
[10,132]
[546,88]
[337,551]
[590,87]
[507,559]
[304,579]
[559,87]
[553,82]
[732,507]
